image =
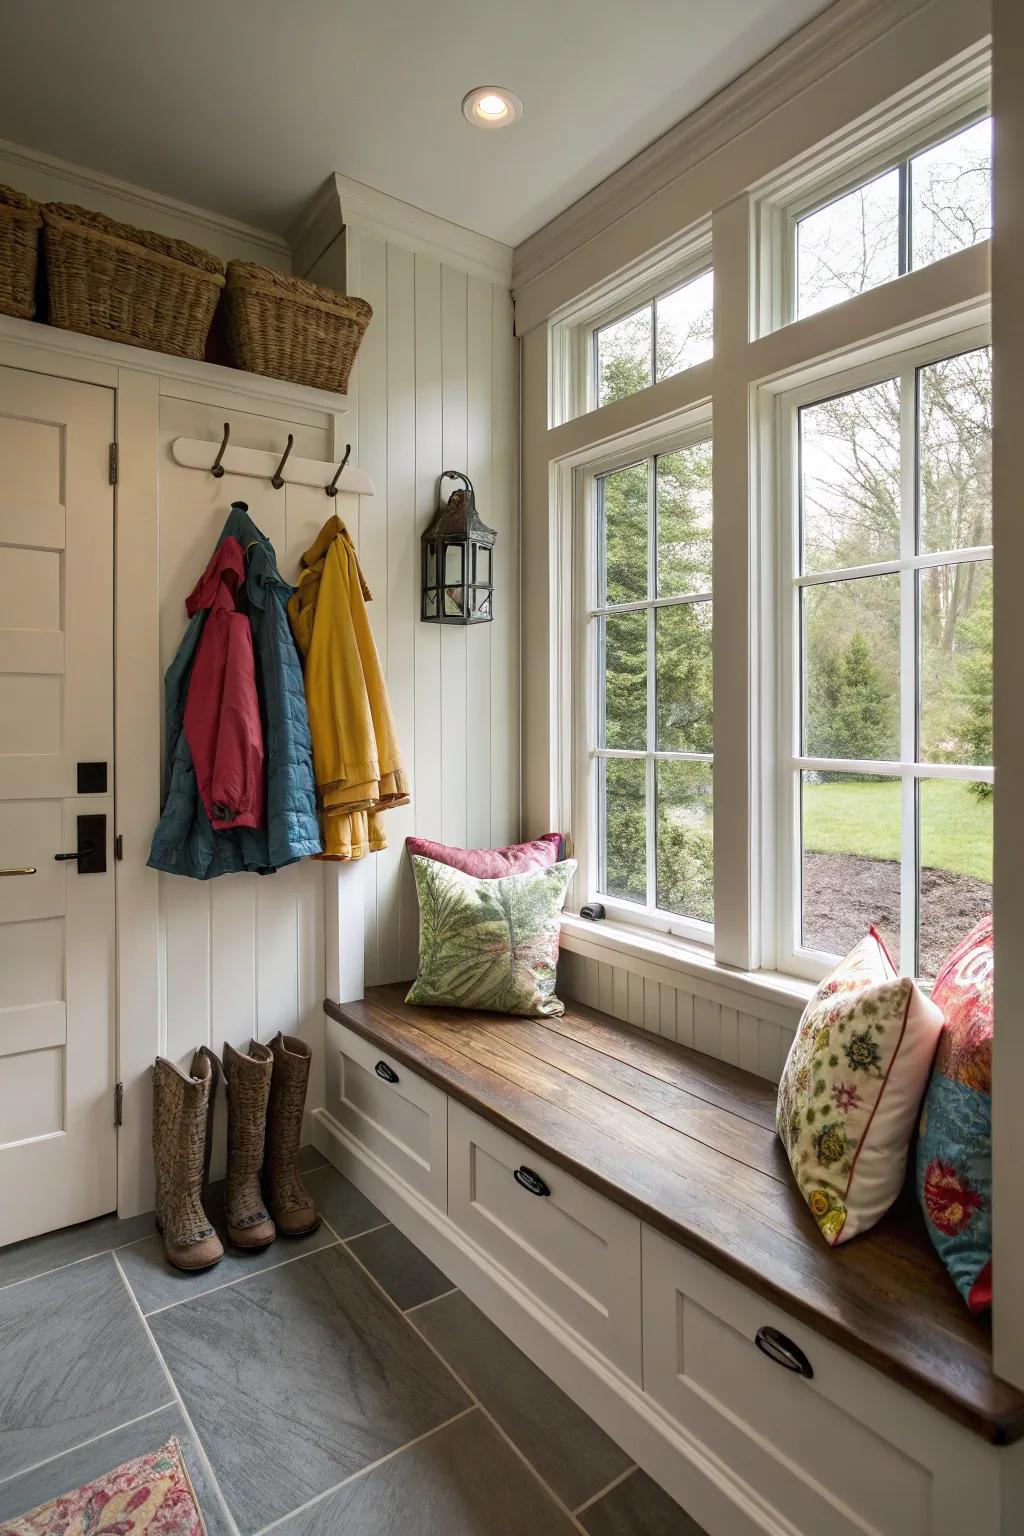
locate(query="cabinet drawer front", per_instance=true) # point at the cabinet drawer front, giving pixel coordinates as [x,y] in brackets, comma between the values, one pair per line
[396,1115]
[844,1452]
[577,1252]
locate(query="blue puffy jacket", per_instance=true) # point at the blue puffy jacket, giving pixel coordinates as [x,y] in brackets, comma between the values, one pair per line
[184,842]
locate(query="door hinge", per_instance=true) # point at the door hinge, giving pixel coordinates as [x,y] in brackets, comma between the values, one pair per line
[112,464]
[119,1103]
[119,847]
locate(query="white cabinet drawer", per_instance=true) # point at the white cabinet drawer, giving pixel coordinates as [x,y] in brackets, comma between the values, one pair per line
[844,1452]
[574,1250]
[396,1115]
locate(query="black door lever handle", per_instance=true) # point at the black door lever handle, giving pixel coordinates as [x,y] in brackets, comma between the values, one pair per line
[79,853]
[91,854]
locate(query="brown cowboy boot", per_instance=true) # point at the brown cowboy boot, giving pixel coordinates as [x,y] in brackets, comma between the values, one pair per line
[247,1079]
[291,1203]
[182,1112]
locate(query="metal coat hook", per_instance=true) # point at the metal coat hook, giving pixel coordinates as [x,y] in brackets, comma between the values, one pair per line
[277,479]
[332,489]
[217,468]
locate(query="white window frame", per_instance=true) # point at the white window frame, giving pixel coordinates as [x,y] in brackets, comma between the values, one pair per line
[901,134]
[586,668]
[902,359]
[588,334]
[572,347]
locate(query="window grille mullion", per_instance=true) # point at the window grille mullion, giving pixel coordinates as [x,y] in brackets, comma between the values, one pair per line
[652,681]
[909,682]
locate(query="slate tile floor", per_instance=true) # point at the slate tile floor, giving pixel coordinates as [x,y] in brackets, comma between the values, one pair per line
[337,1385]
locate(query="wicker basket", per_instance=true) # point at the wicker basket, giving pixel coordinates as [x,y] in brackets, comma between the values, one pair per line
[20,219]
[289,329]
[108,279]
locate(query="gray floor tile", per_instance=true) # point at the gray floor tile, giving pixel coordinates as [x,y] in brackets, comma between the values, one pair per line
[299,1377]
[638,1507]
[70,1471]
[399,1267]
[158,1284]
[340,1203]
[76,1362]
[37,1255]
[309,1157]
[572,1455]
[462,1481]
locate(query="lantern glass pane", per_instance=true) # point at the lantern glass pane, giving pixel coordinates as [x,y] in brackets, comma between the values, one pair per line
[430,603]
[453,565]
[431,576]
[453,601]
[483,565]
[485,604]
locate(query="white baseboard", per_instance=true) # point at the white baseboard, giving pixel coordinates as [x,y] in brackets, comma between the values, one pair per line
[701,1482]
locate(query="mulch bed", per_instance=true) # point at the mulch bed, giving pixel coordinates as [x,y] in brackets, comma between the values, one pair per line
[845,893]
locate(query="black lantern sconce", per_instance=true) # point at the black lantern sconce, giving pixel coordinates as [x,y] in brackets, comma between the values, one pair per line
[458,560]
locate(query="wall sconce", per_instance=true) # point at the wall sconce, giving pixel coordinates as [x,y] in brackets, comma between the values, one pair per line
[458,576]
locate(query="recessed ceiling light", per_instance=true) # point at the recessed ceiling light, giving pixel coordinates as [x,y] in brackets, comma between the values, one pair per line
[491,106]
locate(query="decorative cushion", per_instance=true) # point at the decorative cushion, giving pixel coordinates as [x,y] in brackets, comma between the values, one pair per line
[954,1154]
[150,1496]
[492,863]
[489,943]
[852,1086]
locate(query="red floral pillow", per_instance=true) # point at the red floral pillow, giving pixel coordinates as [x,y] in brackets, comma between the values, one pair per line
[492,863]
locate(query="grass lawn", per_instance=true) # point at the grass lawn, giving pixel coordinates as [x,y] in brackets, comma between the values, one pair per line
[956,827]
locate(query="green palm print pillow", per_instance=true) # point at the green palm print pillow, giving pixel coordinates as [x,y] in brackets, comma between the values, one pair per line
[490,943]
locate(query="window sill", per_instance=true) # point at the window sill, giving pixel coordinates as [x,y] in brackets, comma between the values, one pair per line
[688,966]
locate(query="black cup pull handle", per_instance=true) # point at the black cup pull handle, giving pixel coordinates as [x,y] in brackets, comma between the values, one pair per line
[531,1181]
[783,1351]
[387,1073]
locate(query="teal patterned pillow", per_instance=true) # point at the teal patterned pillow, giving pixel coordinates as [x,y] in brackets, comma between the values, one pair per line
[490,943]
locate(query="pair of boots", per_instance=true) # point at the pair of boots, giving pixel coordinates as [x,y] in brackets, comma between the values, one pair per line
[266,1092]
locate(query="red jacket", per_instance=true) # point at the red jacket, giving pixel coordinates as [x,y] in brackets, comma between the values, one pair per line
[222,713]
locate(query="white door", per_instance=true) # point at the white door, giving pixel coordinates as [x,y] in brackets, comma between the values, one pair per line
[58,1160]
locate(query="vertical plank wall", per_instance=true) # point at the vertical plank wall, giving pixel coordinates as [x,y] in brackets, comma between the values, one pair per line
[435,386]
[717,1021]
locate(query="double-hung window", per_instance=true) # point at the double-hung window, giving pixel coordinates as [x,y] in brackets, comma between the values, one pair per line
[647,720]
[886,694]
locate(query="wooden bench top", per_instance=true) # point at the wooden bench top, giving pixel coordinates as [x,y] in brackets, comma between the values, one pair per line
[688,1143]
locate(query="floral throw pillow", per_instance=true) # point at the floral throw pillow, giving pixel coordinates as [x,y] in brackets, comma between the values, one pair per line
[954,1154]
[852,1087]
[489,943]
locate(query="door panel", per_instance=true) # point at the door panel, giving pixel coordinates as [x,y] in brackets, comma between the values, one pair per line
[57,1043]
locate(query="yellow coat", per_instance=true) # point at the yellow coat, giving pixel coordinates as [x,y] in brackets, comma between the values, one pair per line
[356,760]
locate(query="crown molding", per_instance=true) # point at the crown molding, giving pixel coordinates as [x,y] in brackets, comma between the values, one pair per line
[826,42]
[96,182]
[341,203]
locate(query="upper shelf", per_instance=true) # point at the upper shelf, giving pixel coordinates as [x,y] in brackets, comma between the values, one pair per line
[180,371]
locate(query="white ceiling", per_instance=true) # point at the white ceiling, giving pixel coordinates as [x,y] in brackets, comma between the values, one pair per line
[244,106]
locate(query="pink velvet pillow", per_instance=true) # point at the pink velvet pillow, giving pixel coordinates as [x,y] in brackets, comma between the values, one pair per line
[492,863]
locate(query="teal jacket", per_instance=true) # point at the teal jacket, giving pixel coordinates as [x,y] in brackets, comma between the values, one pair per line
[184,842]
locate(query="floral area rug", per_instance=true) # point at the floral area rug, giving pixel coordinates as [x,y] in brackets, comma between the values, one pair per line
[150,1496]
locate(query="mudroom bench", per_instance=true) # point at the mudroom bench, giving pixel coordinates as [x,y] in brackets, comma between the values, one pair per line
[622,1208]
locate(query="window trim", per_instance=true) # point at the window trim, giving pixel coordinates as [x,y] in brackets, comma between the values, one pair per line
[691,427]
[907,130]
[903,356]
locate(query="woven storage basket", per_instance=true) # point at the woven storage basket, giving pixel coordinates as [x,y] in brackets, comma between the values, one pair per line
[20,219]
[108,279]
[287,328]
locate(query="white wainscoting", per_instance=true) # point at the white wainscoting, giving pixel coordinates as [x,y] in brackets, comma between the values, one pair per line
[435,388]
[690,1014]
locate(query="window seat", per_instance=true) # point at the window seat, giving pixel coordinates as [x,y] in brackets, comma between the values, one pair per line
[687,1144]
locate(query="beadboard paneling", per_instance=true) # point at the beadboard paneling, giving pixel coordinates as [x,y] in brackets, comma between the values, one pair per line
[757,1044]
[435,388]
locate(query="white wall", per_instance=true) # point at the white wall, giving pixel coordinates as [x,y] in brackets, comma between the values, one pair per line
[51,180]
[435,388]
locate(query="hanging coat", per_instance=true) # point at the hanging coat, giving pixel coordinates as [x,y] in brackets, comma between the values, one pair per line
[184,842]
[222,713]
[355,748]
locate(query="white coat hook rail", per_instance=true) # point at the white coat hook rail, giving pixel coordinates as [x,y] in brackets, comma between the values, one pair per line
[218,459]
